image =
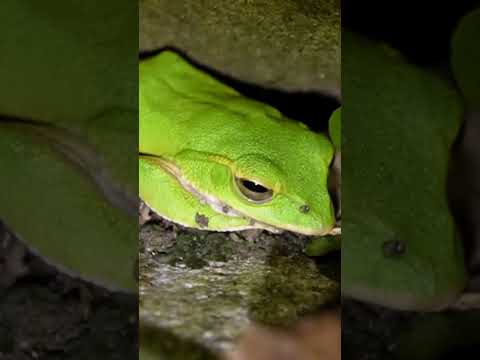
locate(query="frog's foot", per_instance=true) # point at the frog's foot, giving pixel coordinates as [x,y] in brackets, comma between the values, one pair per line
[467,301]
[146,214]
[143,213]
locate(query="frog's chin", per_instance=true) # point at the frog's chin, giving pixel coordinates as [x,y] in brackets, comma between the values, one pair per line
[273,228]
[311,231]
[277,229]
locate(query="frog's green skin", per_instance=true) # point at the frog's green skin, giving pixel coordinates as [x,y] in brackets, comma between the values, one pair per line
[68,134]
[197,136]
[399,241]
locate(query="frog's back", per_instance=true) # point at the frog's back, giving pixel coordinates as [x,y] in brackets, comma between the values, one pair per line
[187,115]
[184,108]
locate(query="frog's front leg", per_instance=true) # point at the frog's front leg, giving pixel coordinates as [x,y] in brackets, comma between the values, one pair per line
[143,213]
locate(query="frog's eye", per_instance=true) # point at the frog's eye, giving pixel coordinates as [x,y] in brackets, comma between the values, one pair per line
[254,191]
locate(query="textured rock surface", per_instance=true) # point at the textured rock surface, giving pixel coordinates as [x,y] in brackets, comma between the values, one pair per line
[291,45]
[208,287]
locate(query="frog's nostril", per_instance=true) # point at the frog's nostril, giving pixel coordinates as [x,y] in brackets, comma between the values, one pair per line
[304,209]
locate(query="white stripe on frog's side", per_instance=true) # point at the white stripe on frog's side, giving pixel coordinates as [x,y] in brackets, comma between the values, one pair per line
[207,199]
[238,228]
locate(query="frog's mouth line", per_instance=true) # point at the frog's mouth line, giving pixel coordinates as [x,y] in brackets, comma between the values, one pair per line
[207,199]
[78,152]
[219,206]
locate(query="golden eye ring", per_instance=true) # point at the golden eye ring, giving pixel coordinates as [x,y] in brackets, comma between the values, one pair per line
[253,191]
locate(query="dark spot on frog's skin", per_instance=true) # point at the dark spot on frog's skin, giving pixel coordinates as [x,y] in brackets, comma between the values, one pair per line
[393,248]
[304,209]
[225,209]
[201,220]
[252,222]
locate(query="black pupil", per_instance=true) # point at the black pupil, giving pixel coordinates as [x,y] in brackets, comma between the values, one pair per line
[250,185]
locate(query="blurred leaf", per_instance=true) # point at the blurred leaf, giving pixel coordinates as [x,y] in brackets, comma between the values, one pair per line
[71,66]
[399,240]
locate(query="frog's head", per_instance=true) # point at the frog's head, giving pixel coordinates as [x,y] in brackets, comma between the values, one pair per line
[241,157]
[284,189]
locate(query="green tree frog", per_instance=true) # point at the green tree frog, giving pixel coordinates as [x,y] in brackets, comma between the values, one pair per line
[210,158]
